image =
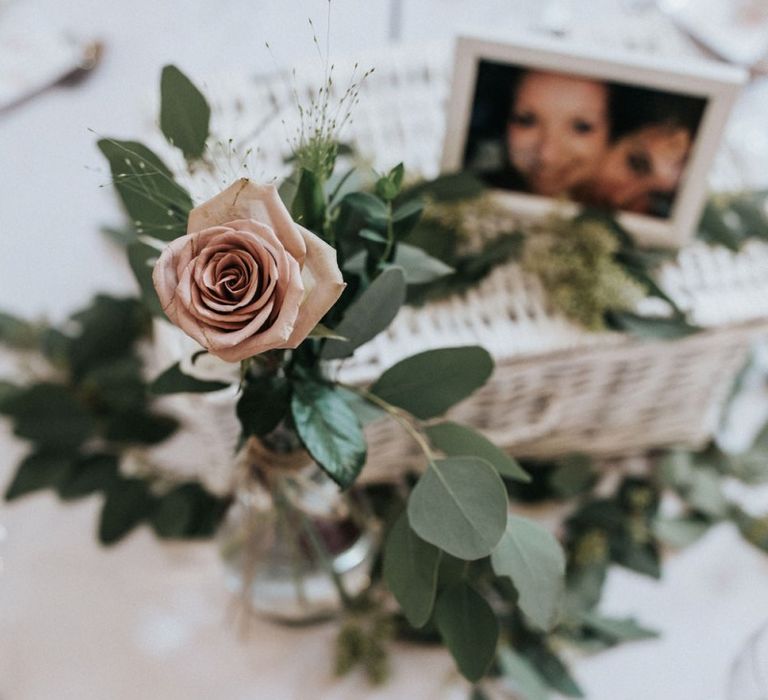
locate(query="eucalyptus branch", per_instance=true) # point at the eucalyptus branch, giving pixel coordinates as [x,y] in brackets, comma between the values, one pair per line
[403,418]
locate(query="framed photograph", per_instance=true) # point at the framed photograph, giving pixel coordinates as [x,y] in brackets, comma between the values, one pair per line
[542,124]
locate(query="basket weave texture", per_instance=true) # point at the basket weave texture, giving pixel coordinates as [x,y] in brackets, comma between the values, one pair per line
[556,388]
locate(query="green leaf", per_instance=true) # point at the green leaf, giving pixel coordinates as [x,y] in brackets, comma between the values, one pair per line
[370,207]
[406,216]
[265,401]
[388,186]
[469,628]
[369,235]
[459,505]
[115,385]
[17,333]
[369,315]
[617,629]
[174,381]
[659,327]
[449,188]
[7,392]
[142,259]
[573,475]
[329,429]
[127,504]
[533,559]
[365,411]
[410,571]
[419,267]
[156,204]
[714,228]
[519,673]
[184,113]
[460,441]
[38,471]
[139,426]
[705,493]
[429,383]
[91,474]
[553,670]
[679,532]
[109,328]
[49,415]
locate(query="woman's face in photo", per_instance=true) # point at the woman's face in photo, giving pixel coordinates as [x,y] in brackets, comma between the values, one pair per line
[558,131]
[646,162]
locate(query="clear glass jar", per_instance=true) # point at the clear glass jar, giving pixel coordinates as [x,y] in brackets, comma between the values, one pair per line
[292,543]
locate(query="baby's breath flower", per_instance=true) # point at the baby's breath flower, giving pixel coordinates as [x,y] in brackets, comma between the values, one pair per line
[575,262]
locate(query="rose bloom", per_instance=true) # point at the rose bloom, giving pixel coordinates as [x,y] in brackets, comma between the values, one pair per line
[246,278]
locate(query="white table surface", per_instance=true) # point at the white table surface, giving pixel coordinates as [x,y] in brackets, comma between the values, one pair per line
[150,620]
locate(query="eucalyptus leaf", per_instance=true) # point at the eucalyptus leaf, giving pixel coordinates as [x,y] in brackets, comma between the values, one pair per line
[419,267]
[365,411]
[469,628]
[329,429]
[429,383]
[459,505]
[573,475]
[680,532]
[458,440]
[553,671]
[661,327]
[410,571]
[617,629]
[705,493]
[174,381]
[368,315]
[184,113]
[37,471]
[371,208]
[521,675]
[155,202]
[533,559]
[406,216]
[449,188]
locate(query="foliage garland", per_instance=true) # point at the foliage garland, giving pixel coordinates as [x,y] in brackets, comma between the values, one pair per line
[497,613]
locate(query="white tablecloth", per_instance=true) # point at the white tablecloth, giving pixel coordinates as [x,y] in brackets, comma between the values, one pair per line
[150,620]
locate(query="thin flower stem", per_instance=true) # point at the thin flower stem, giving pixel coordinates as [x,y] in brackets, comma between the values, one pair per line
[400,416]
[317,545]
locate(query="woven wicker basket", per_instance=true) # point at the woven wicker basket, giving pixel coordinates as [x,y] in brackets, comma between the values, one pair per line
[556,388]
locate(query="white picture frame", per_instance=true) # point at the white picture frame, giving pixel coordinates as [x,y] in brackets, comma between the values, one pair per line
[717,85]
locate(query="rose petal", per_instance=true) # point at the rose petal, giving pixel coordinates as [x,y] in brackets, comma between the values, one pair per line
[246,200]
[323,283]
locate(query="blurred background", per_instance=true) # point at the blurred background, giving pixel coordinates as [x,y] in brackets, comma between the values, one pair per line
[151,620]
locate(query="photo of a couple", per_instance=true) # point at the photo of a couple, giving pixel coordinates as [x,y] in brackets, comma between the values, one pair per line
[600,143]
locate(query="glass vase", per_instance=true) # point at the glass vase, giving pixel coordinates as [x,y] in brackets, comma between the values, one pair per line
[294,546]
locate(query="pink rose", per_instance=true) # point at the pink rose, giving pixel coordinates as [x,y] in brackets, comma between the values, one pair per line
[245,278]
